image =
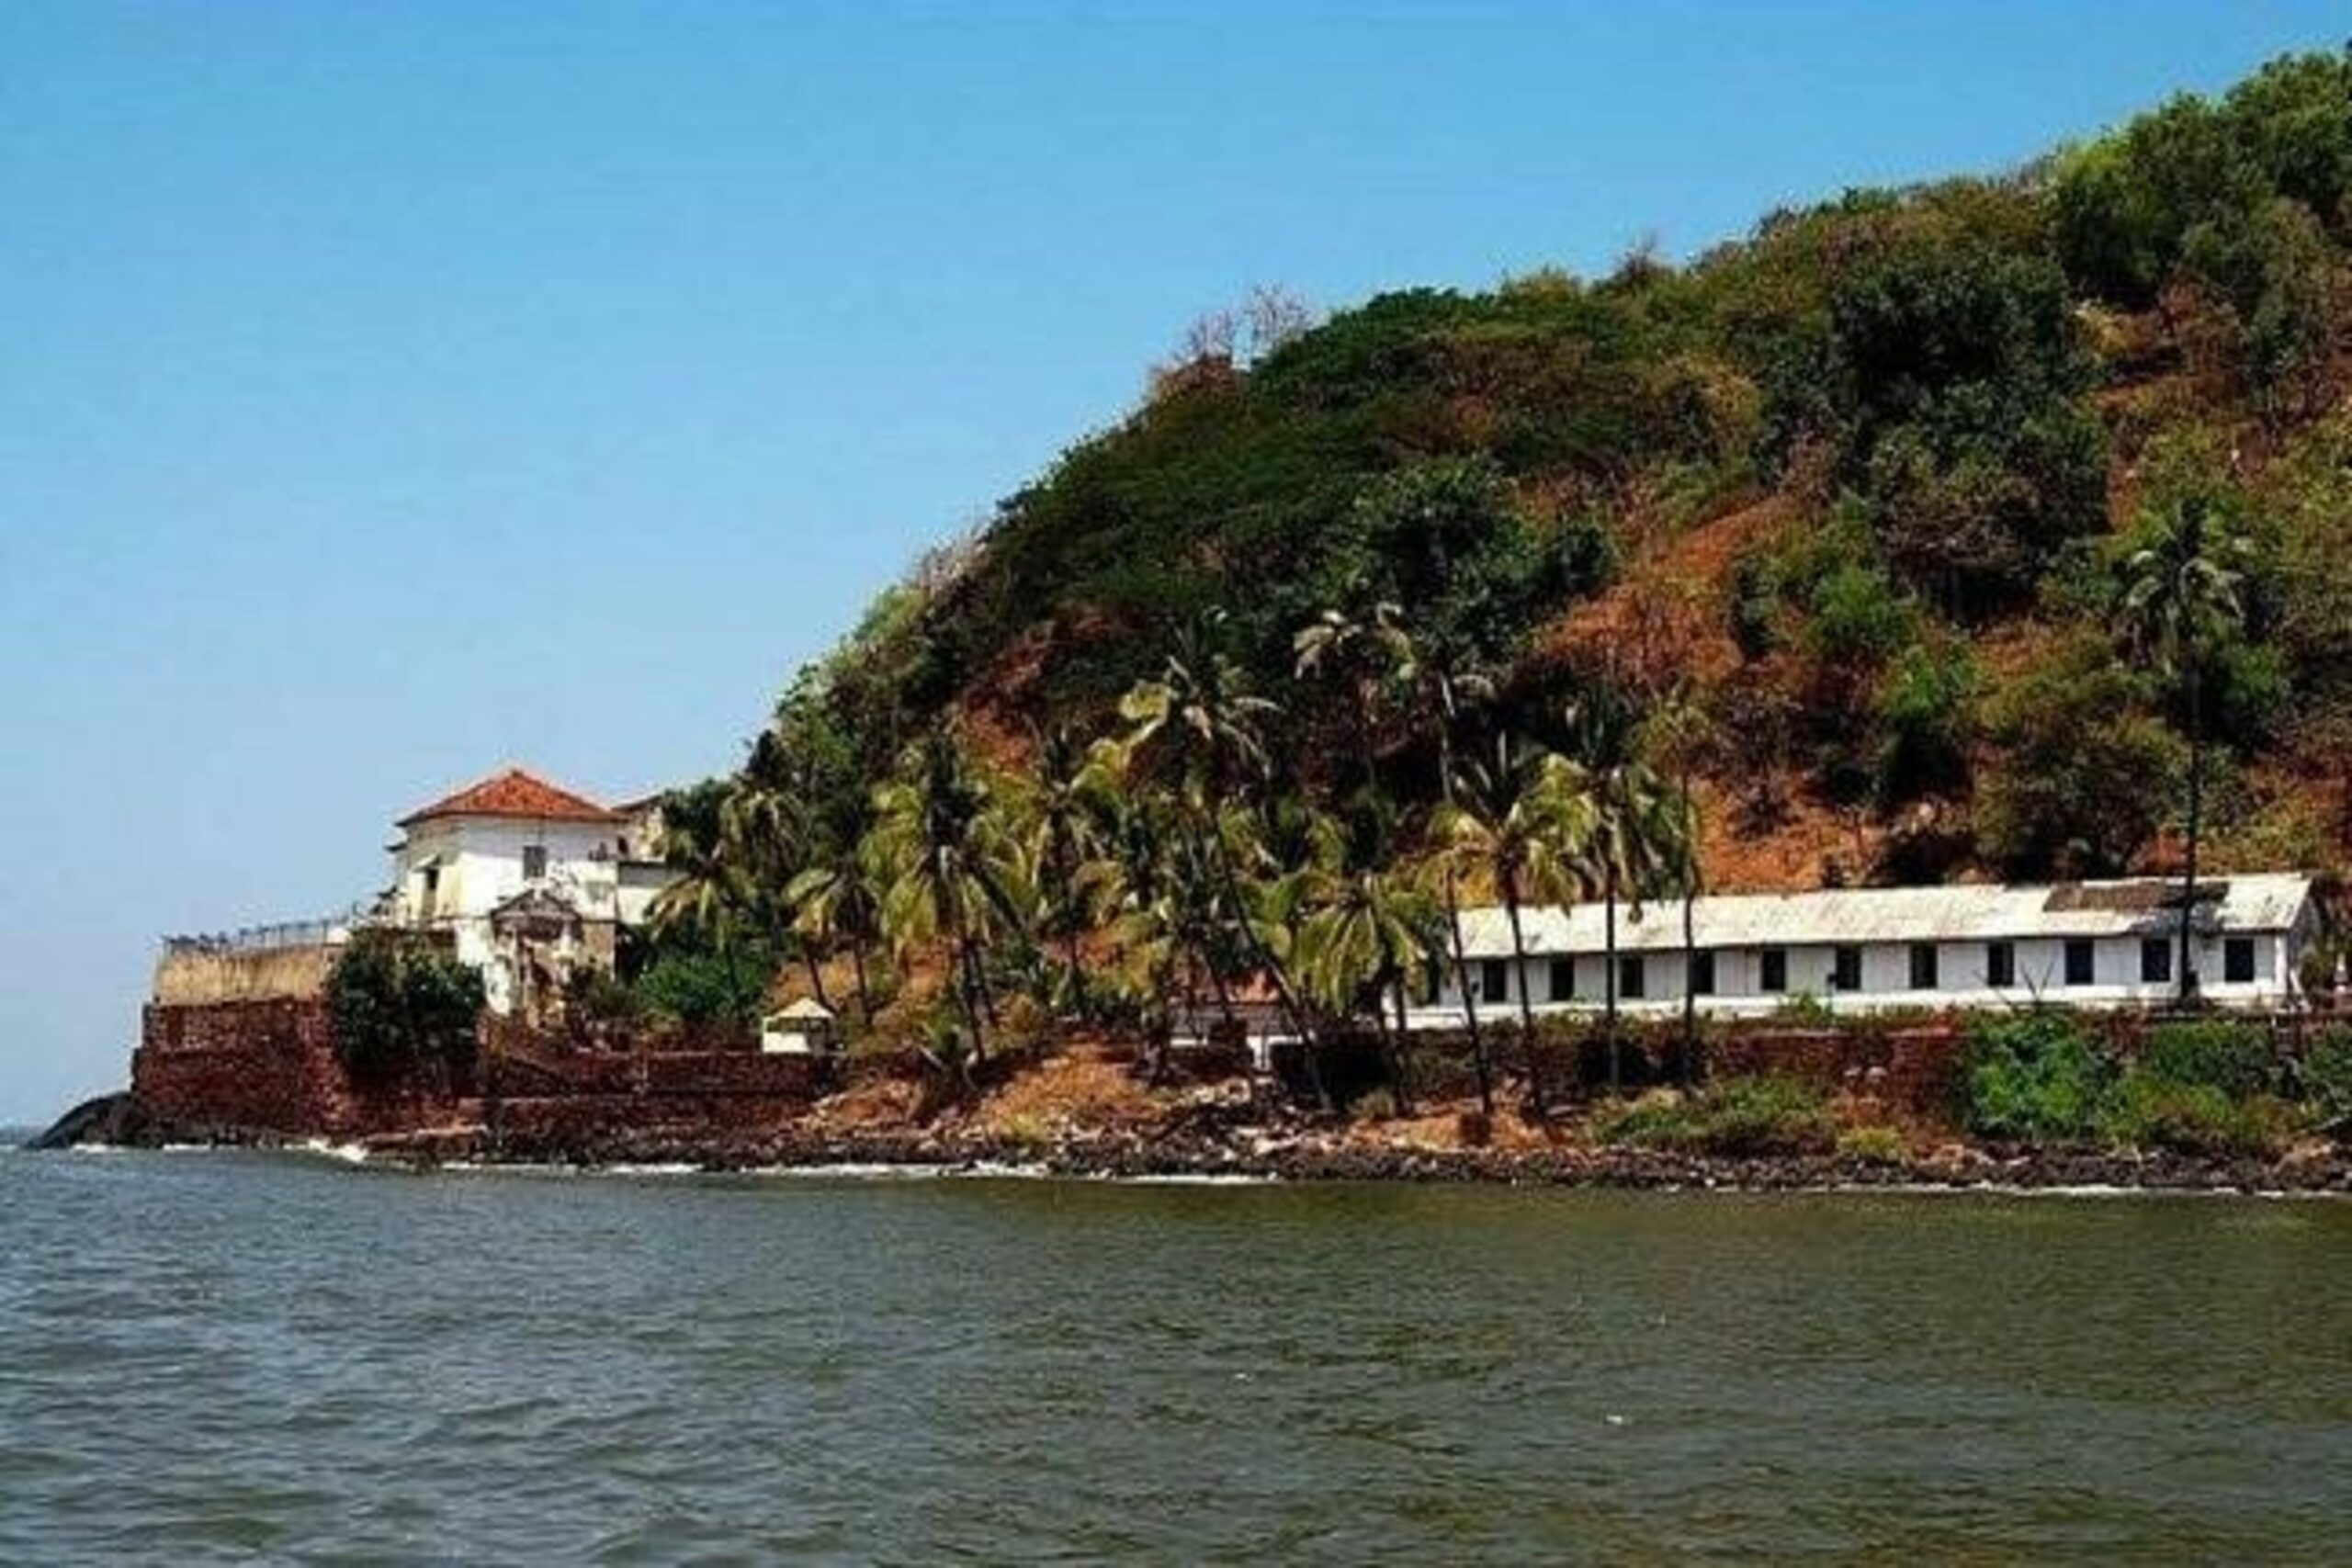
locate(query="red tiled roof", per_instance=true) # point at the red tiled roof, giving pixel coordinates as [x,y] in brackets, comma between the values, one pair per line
[514,793]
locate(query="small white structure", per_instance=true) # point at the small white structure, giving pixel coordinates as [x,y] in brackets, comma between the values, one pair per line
[531,881]
[2097,945]
[797,1028]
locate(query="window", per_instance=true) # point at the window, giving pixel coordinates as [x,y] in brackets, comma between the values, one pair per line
[1923,966]
[1563,979]
[1775,969]
[1702,972]
[2238,960]
[1633,977]
[2080,964]
[1846,968]
[1494,980]
[2155,961]
[432,890]
[534,861]
[2000,963]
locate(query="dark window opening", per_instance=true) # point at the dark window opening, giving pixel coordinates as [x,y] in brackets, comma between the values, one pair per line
[2155,960]
[1923,966]
[2081,967]
[1563,979]
[1775,976]
[534,861]
[2238,960]
[1494,980]
[1632,977]
[2000,963]
[1846,968]
[1702,972]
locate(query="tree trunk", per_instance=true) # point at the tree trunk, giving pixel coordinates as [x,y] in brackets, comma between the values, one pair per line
[971,976]
[1609,978]
[1469,999]
[857,966]
[1392,1050]
[1527,1042]
[1688,1066]
[2196,791]
[1077,997]
[1405,1035]
[816,975]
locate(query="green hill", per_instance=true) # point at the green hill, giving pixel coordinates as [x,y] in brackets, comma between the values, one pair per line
[1863,486]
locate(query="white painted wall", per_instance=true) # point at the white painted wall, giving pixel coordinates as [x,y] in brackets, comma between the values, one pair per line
[1961,979]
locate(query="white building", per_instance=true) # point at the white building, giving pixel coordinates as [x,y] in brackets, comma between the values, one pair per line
[531,882]
[2102,944]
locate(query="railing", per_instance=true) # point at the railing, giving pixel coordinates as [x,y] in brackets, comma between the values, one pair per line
[266,938]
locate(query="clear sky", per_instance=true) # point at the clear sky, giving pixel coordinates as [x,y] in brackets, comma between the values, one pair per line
[389,392]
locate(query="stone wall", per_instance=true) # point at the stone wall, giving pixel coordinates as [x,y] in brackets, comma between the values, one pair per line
[197,978]
[251,1066]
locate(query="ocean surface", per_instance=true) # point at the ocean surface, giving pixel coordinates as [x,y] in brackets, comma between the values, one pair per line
[215,1356]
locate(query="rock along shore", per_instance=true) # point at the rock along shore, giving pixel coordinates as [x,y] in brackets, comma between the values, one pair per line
[1287,1149]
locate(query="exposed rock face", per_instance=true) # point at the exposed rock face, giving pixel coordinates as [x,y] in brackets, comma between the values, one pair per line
[109,1119]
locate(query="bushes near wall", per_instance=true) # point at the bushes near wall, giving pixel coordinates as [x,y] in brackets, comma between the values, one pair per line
[404,1011]
[2202,1087]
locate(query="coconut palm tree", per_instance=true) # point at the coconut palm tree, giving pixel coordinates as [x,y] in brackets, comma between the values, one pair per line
[709,897]
[1631,830]
[837,904]
[1070,810]
[1368,927]
[1679,732]
[765,830]
[1517,820]
[2181,592]
[950,867]
[1195,731]
[1363,656]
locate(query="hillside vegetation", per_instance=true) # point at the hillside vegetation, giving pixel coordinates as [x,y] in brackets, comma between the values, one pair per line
[2000,526]
[1866,480]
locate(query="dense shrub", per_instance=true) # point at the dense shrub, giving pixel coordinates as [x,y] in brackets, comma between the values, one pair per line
[1741,1117]
[403,1009]
[2146,1110]
[2034,1075]
[2233,1058]
[2323,1078]
[700,990]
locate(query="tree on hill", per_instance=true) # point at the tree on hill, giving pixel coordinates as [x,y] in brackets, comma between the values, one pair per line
[2183,590]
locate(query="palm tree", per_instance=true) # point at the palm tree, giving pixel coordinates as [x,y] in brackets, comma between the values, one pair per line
[1068,812]
[1631,830]
[1195,731]
[837,904]
[949,866]
[1680,731]
[709,897]
[1516,818]
[1363,656]
[1368,927]
[2181,592]
[765,829]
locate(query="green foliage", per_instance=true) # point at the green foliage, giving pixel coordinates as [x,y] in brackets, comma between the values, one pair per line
[402,1009]
[2324,1080]
[1927,722]
[702,989]
[2146,1110]
[1736,1118]
[2033,1075]
[2234,1058]
[1873,1145]
[2081,776]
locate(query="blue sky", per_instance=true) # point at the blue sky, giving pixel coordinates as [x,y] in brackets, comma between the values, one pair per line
[390,392]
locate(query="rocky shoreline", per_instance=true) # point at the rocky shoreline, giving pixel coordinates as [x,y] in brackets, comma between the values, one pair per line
[1289,1150]
[1326,1155]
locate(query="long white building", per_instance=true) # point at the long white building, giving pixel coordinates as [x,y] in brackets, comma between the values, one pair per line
[2103,944]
